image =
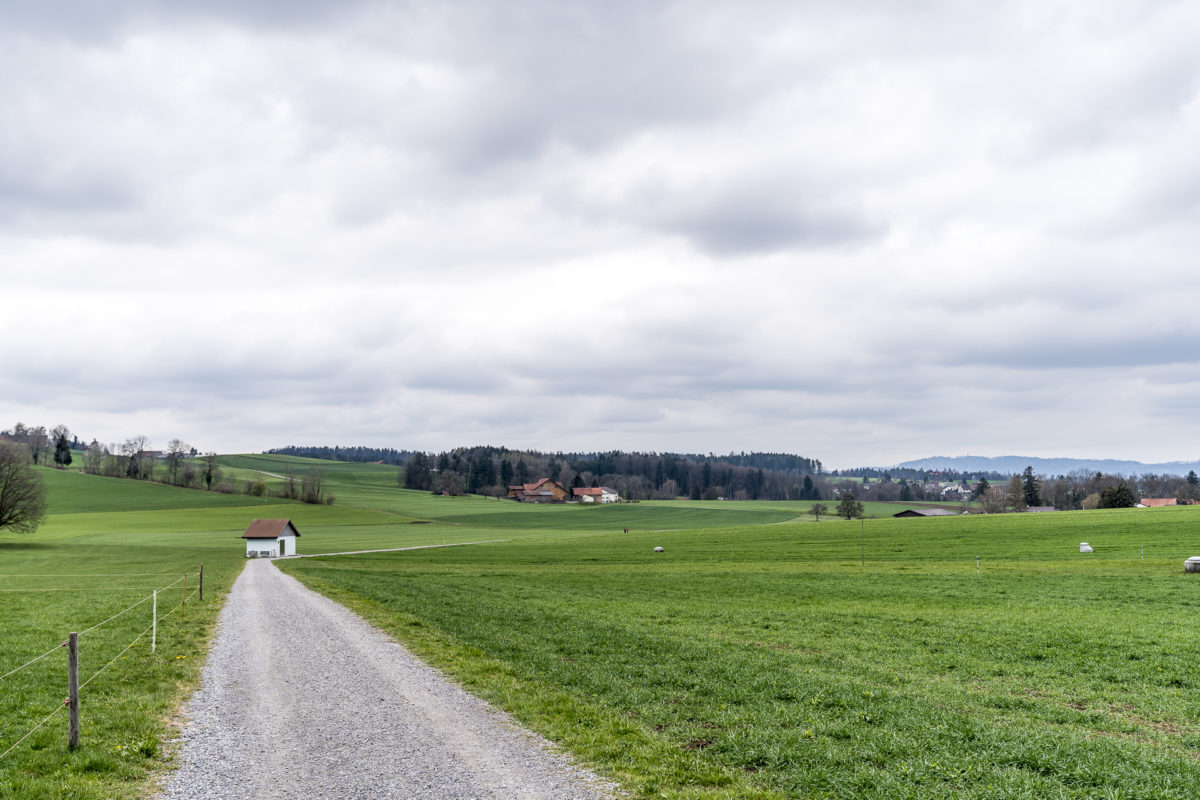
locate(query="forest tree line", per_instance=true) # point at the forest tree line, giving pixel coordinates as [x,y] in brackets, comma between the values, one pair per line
[635,476]
[179,465]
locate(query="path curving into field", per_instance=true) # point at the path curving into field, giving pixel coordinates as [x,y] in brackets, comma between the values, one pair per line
[303,699]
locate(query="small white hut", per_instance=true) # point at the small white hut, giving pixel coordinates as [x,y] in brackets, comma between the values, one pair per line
[270,538]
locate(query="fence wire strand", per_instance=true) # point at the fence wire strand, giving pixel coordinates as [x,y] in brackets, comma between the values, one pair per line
[118,614]
[33,661]
[114,660]
[97,625]
[31,732]
[137,639]
[87,575]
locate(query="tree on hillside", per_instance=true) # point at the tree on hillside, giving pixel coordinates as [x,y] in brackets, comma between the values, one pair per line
[1031,488]
[980,489]
[62,446]
[93,458]
[1016,494]
[22,492]
[39,443]
[177,451]
[313,489]
[137,464]
[1119,496]
[994,499]
[506,473]
[448,482]
[211,472]
[416,472]
[818,509]
[849,507]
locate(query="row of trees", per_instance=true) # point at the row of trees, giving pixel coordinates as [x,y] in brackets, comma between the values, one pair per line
[1084,490]
[635,476]
[43,445]
[179,465]
[357,454]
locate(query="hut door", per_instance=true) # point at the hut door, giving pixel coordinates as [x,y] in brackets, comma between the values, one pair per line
[283,547]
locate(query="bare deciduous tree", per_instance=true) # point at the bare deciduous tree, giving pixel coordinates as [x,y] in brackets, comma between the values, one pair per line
[177,450]
[22,492]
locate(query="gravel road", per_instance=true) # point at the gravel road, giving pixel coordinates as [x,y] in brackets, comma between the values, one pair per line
[303,699]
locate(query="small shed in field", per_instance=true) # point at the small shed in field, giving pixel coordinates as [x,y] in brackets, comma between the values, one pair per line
[925,512]
[270,538]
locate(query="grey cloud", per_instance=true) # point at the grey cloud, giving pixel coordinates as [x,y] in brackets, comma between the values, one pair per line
[743,222]
[84,21]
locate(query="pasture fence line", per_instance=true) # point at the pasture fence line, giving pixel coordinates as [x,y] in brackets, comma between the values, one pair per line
[72,644]
[85,574]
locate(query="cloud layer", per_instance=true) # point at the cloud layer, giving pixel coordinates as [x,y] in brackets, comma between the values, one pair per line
[857,232]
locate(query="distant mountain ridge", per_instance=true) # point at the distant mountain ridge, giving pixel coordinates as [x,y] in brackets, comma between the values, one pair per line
[1049,466]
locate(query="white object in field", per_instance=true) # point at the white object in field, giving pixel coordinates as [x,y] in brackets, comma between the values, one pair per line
[271,538]
[1084,547]
[1192,564]
[658,550]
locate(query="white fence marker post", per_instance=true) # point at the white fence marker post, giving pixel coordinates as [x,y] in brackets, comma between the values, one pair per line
[154,623]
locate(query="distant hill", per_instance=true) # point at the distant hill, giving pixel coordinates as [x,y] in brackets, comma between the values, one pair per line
[1049,466]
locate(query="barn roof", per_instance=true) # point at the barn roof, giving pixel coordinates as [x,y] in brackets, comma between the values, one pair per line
[925,512]
[270,529]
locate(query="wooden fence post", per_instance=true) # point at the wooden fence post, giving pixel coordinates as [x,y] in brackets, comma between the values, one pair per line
[183,605]
[73,689]
[201,583]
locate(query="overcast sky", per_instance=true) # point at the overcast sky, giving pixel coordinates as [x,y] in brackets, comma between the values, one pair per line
[857,231]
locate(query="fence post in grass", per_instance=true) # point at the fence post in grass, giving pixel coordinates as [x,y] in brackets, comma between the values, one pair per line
[1143,552]
[183,603]
[154,623]
[73,689]
[201,583]
[862,542]
[976,565]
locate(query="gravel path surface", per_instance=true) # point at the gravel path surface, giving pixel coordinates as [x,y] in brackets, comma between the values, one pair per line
[303,699]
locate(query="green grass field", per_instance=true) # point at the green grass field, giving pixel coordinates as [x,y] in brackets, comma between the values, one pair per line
[755,658]
[105,545]
[764,662]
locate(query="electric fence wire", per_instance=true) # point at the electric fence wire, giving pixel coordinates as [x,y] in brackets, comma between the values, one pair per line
[96,674]
[35,727]
[89,630]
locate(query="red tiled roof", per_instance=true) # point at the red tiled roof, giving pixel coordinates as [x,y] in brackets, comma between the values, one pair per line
[270,529]
[1158,502]
[595,491]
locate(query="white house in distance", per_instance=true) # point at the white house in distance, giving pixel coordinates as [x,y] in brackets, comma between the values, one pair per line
[270,538]
[598,494]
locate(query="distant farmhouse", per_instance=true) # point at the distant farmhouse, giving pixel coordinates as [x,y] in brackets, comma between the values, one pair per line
[544,491]
[596,494]
[550,491]
[1158,502]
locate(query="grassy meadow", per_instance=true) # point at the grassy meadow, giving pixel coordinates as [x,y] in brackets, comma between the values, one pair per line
[764,662]
[106,544]
[754,658]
